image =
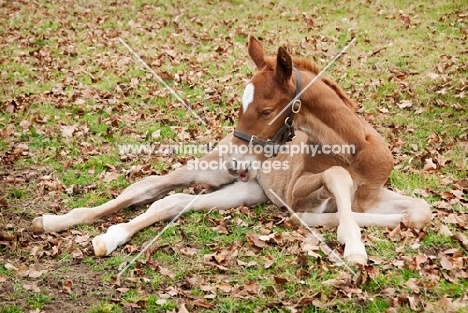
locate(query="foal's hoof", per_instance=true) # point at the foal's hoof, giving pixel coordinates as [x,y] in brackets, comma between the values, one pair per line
[356,259]
[37,225]
[99,247]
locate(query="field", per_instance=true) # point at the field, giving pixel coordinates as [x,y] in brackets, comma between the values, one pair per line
[71,94]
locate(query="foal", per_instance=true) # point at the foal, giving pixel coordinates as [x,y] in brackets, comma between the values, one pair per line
[344,190]
[339,183]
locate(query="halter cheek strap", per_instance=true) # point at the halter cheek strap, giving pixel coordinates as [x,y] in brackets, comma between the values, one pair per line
[286,132]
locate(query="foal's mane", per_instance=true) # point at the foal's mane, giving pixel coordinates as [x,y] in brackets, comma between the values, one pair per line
[307,65]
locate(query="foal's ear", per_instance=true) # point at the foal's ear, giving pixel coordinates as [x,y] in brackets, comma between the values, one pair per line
[283,70]
[256,52]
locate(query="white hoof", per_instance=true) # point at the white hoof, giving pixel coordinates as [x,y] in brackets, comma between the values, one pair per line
[355,259]
[105,244]
[355,254]
[99,247]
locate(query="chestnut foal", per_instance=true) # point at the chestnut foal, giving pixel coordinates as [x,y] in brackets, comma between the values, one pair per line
[338,182]
[344,190]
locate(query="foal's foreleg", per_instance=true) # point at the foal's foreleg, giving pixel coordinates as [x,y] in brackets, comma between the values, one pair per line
[340,184]
[144,191]
[229,196]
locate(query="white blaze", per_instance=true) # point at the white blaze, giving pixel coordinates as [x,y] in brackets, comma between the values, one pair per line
[247,98]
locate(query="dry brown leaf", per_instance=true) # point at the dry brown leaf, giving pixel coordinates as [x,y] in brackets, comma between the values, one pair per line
[166,272]
[25,124]
[67,287]
[224,287]
[110,176]
[32,287]
[202,303]
[251,288]
[446,264]
[462,239]
[11,267]
[405,104]
[280,280]
[269,261]
[254,240]
[67,131]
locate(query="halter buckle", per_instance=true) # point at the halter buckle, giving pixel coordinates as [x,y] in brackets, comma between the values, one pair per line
[294,108]
[252,139]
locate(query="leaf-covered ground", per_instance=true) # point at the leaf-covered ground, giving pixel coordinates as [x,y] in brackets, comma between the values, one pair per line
[71,93]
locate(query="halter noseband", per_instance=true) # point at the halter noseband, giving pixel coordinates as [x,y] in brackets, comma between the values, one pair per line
[286,132]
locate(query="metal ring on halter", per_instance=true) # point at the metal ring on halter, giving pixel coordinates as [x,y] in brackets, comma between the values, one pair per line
[299,103]
[286,121]
[252,139]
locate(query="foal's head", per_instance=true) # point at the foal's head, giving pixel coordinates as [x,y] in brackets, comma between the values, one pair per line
[271,89]
[266,115]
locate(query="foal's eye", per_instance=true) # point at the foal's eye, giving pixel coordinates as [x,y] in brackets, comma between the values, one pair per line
[266,113]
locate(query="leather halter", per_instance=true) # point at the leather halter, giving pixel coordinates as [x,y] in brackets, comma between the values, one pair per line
[286,132]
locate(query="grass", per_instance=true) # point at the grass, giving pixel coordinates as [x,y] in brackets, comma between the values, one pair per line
[63,66]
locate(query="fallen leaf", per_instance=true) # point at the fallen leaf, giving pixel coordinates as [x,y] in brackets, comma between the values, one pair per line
[224,287]
[67,131]
[405,104]
[202,303]
[67,287]
[34,273]
[10,267]
[280,280]
[445,231]
[110,176]
[166,272]
[446,264]
[25,124]
[31,287]
[254,240]
[269,261]
[251,288]
[188,251]
[462,240]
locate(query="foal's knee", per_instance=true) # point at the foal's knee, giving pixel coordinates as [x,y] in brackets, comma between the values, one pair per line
[420,214]
[338,175]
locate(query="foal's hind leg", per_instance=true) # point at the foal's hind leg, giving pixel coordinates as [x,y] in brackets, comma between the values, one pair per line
[233,195]
[415,212]
[144,191]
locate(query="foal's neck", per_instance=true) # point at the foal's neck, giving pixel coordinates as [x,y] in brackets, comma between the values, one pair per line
[327,119]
